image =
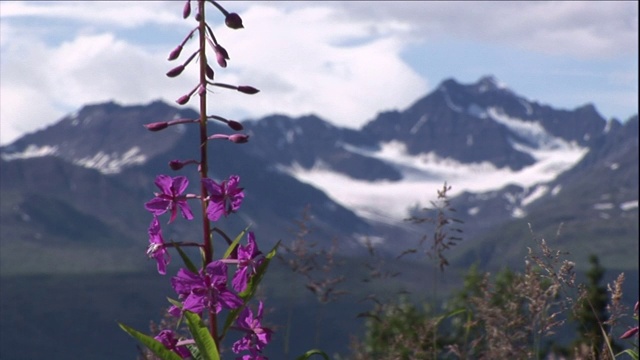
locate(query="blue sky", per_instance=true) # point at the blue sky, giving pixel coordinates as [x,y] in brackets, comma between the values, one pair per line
[342,60]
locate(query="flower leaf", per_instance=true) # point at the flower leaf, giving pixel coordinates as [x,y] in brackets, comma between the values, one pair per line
[154,345]
[202,337]
[185,259]
[235,242]
[255,280]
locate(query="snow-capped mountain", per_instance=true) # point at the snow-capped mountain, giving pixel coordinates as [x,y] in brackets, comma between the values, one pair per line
[505,157]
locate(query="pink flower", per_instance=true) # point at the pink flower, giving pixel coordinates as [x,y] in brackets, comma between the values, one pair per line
[157,249]
[170,199]
[224,198]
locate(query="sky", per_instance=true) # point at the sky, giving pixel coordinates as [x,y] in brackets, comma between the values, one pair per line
[344,61]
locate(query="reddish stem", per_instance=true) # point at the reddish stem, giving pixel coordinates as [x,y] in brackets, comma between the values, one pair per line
[206,225]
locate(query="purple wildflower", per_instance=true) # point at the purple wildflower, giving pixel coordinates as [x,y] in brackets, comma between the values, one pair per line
[256,337]
[170,198]
[249,258]
[157,249]
[168,339]
[205,290]
[224,198]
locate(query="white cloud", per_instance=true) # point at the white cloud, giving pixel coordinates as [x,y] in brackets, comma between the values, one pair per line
[312,71]
[298,71]
[113,13]
[581,29]
[340,60]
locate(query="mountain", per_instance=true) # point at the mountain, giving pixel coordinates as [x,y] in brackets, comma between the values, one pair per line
[508,160]
[73,230]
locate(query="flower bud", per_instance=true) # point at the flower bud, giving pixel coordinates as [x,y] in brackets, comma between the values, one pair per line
[629,333]
[175,71]
[202,89]
[239,138]
[157,126]
[183,99]
[221,56]
[235,125]
[187,10]
[209,72]
[198,17]
[176,165]
[175,53]
[233,21]
[247,90]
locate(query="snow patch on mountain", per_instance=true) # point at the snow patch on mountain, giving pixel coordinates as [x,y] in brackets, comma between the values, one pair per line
[532,131]
[31,151]
[388,201]
[112,163]
[629,205]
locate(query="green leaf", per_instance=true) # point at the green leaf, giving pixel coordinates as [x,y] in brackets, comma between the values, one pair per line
[187,262]
[202,337]
[255,280]
[154,345]
[252,286]
[177,304]
[310,353]
[235,243]
[633,354]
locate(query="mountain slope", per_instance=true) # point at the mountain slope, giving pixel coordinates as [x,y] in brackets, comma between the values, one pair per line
[506,158]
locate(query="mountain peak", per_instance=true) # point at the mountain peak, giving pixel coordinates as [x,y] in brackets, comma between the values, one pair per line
[489,83]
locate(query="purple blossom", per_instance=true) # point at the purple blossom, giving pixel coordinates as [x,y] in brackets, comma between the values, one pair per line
[205,290]
[170,198]
[256,337]
[224,198]
[157,249]
[252,357]
[168,339]
[249,258]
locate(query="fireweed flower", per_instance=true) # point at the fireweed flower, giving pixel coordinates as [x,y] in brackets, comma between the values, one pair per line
[168,339]
[157,249]
[249,258]
[205,290]
[224,198]
[256,337]
[170,198]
